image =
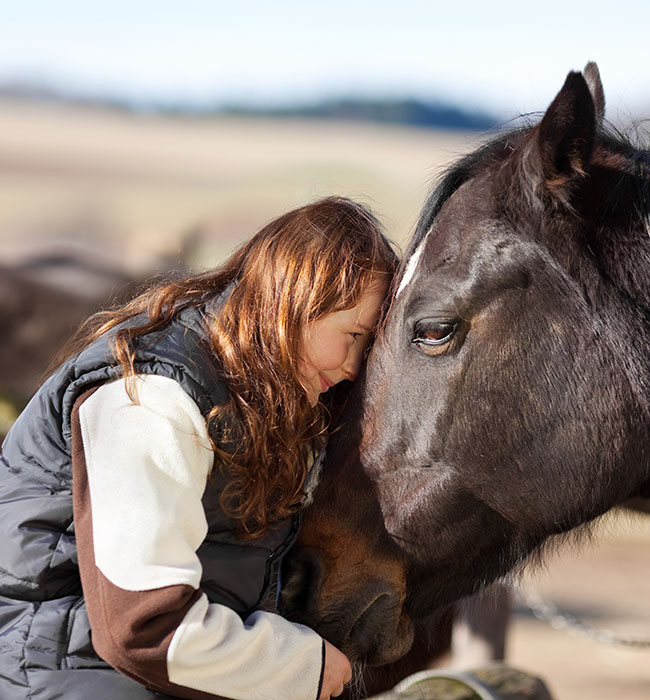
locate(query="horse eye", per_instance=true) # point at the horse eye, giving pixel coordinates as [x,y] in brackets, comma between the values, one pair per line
[434,333]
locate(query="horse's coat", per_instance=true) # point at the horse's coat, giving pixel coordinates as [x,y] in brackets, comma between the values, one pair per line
[507,397]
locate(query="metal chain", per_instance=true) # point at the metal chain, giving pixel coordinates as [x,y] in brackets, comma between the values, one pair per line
[546,611]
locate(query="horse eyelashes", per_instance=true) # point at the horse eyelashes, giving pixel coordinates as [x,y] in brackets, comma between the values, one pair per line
[439,333]
[433,334]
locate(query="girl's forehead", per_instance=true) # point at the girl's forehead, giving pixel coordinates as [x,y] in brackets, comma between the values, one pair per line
[365,312]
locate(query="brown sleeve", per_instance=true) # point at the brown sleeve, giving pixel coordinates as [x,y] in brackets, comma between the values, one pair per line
[131,630]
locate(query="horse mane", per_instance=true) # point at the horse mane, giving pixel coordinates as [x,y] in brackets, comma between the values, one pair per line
[628,146]
[458,173]
[632,148]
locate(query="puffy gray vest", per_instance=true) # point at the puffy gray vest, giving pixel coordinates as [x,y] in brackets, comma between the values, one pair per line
[45,645]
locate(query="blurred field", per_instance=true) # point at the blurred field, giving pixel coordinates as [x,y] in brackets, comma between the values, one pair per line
[146,192]
[135,187]
[606,584]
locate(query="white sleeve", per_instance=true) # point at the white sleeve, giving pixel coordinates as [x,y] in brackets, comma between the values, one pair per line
[147,465]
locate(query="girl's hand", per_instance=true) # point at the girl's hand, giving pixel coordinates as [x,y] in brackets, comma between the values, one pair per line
[336,674]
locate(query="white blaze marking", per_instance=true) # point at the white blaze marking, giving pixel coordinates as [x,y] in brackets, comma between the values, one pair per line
[411,265]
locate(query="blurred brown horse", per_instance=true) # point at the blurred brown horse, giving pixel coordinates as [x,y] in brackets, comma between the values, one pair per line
[507,397]
[43,299]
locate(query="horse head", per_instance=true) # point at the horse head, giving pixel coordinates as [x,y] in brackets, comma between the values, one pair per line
[506,398]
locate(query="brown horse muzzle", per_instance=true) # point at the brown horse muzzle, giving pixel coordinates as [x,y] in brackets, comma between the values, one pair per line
[368,622]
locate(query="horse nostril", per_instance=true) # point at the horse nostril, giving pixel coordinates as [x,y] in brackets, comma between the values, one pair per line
[300,581]
[374,636]
[369,621]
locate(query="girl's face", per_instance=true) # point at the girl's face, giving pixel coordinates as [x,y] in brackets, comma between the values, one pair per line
[332,346]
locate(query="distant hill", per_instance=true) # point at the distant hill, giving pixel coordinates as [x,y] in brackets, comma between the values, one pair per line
[408,112]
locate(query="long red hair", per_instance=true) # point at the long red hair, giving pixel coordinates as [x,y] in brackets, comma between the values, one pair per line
[306,263]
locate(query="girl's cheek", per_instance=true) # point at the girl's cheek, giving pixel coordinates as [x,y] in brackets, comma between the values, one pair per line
[335,357]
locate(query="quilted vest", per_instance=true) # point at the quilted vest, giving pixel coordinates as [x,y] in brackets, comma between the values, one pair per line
[45,638]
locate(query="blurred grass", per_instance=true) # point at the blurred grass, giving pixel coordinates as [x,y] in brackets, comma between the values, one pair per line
[135,186]
[9,411]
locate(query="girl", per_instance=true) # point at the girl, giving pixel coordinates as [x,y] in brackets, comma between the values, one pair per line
[153,483]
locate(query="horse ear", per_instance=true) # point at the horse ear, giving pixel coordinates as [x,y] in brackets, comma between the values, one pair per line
[592,76]
[562,142]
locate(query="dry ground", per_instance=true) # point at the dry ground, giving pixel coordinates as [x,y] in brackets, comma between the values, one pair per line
[606,584]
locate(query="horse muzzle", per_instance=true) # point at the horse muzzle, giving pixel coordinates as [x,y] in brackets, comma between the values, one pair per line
[368,623]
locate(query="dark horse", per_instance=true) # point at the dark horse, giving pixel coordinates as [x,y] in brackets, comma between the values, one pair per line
[507,397]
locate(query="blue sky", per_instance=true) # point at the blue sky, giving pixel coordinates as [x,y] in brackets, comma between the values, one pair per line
[508,56]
